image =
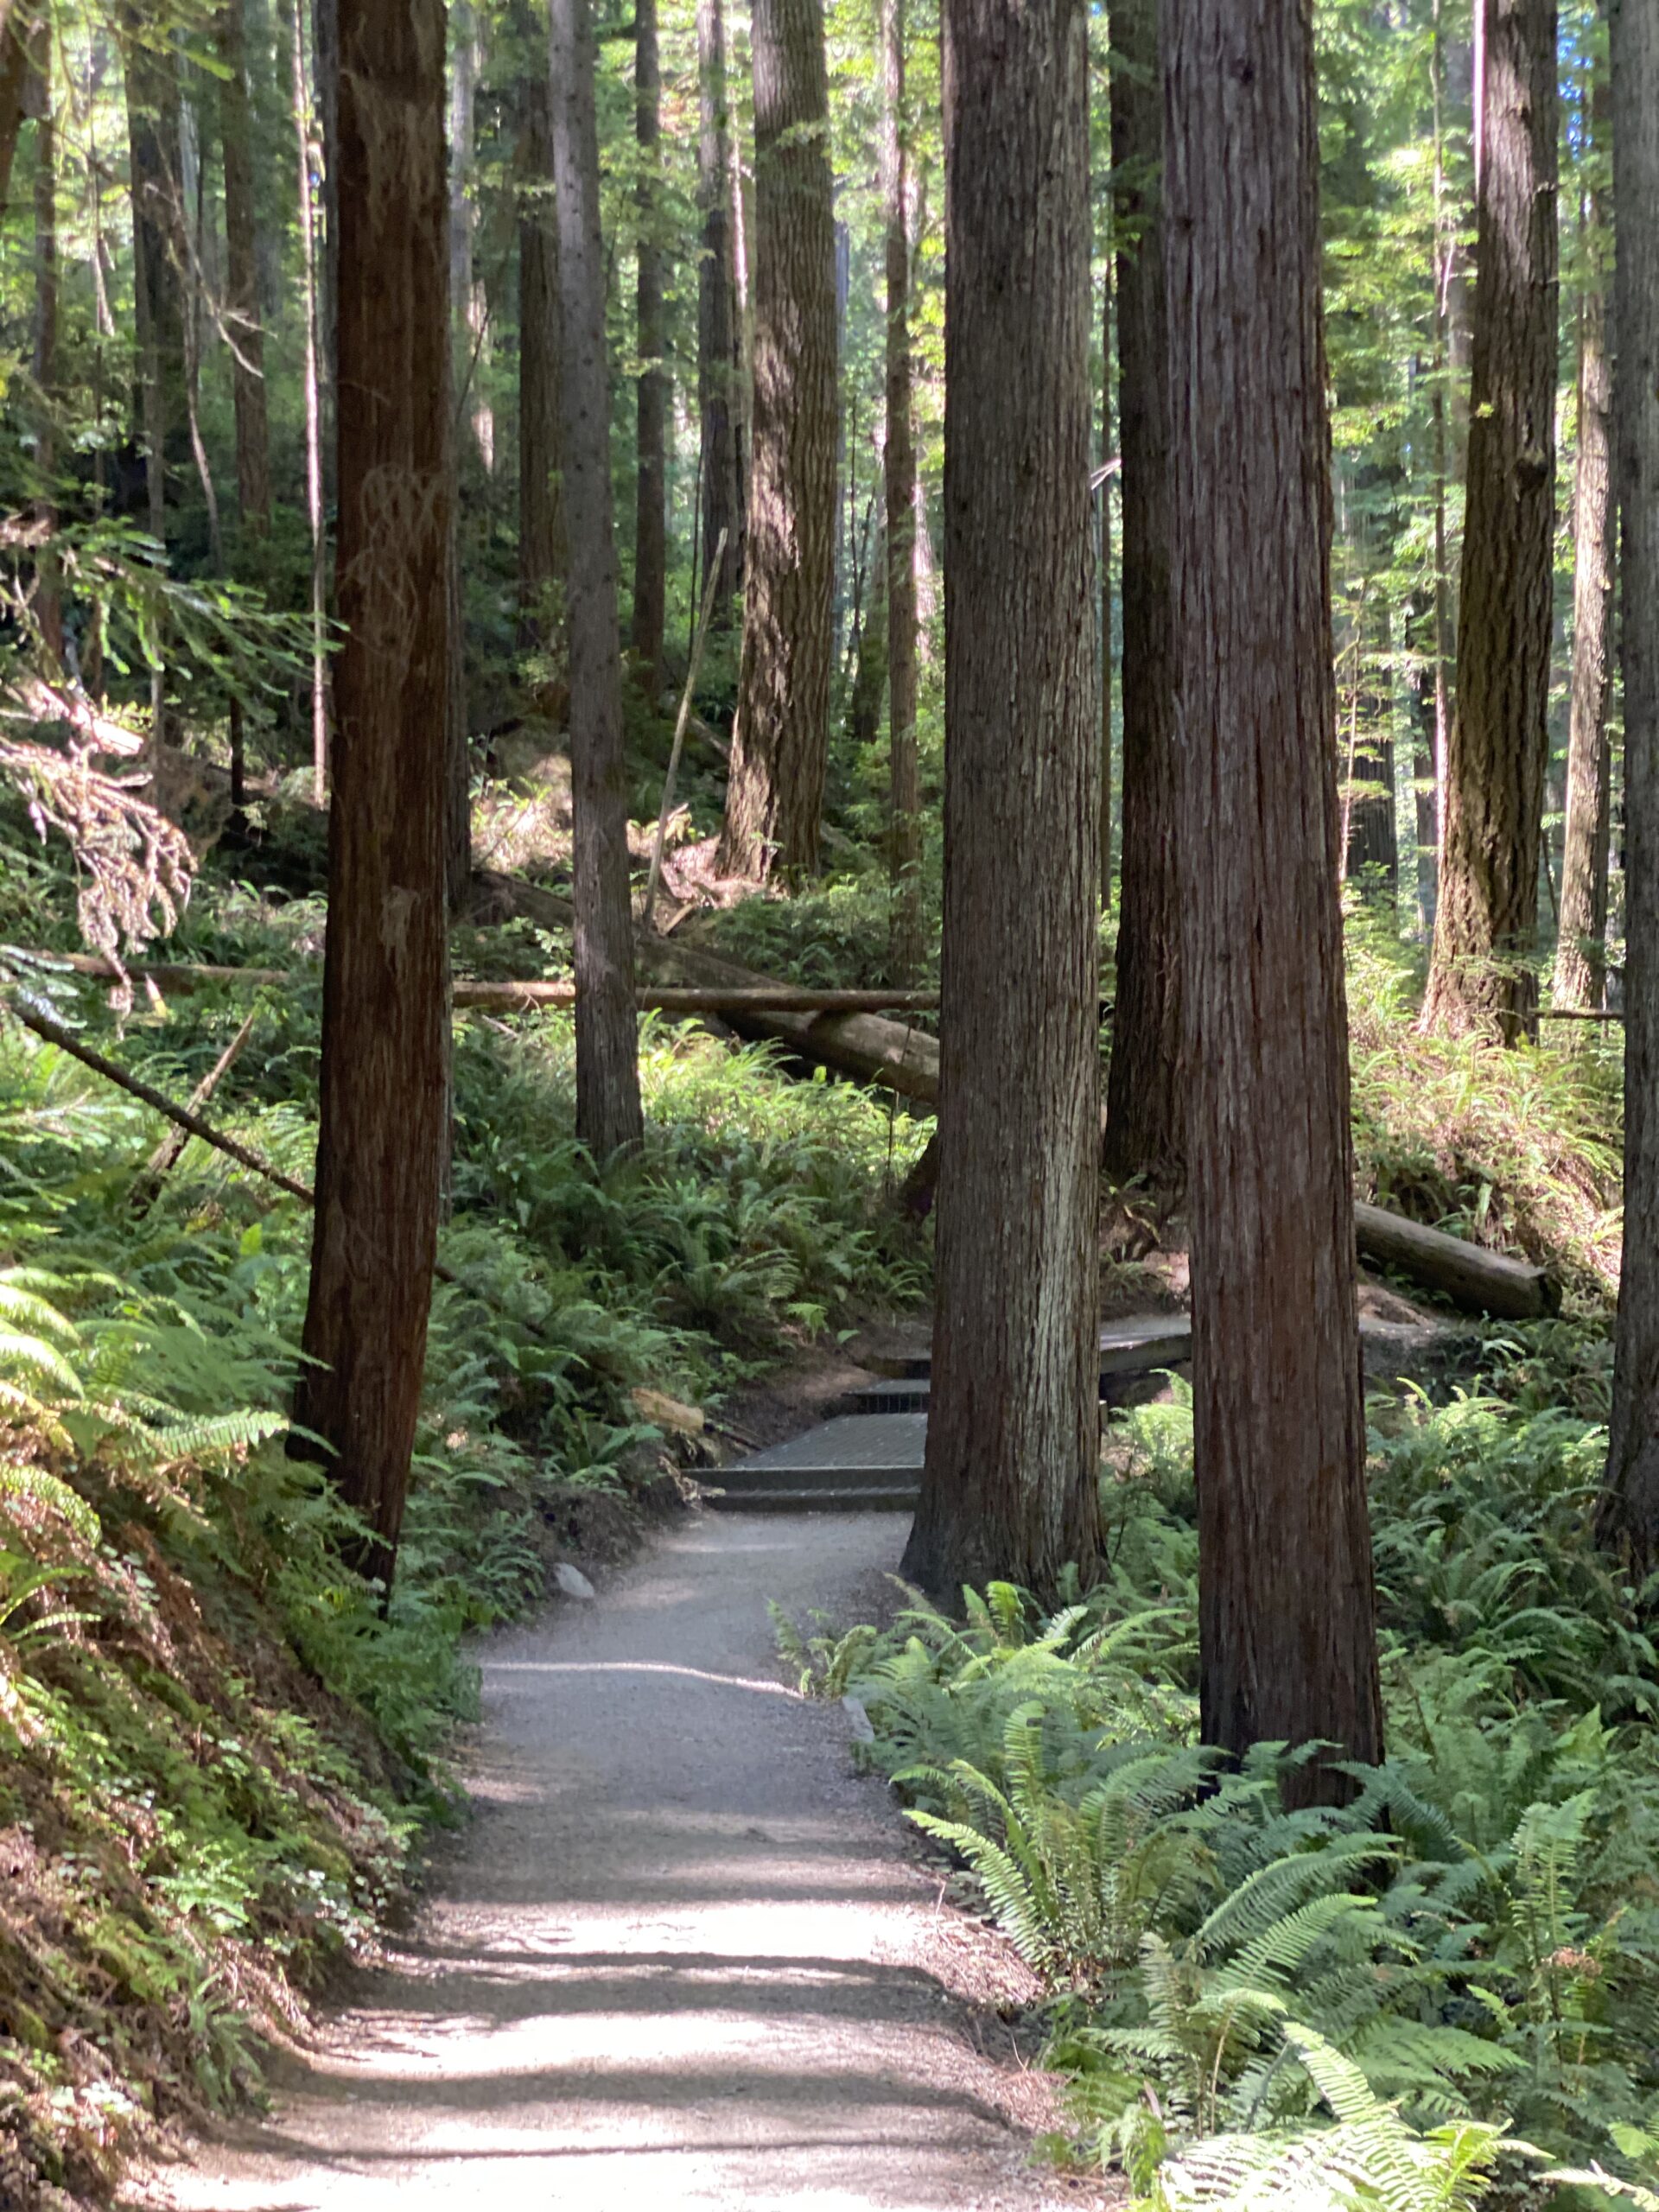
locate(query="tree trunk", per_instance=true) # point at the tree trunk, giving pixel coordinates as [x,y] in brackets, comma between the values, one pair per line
[1009,1487]
[541,506]
[48,601]
[385,1013]
[774,792]
[314,430]
[325,68]
[17,20]
[467,301]
[153,151]
[870,672]
[458,750]
[1629,1517]
[1372,842]
[1107,355]
[899,483]
[720,357]
[608,1113]
[650,394]
[1145,1090]
[1288,1636]
[1581,952]
[242,295]
[1481,978]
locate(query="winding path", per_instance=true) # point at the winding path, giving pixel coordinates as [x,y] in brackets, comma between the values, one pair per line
[681,1956]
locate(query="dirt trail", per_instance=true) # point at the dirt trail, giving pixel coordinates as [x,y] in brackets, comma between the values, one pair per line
[680,1957]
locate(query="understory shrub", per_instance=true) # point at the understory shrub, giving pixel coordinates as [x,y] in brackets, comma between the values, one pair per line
[1447,1985]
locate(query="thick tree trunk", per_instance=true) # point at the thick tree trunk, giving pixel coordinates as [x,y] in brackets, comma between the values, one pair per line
[720,356]
[1481,978]
[608,1113]
[774,792]
[1145,1090]
[1288,1634]
[242,291]
[1581,953]
[650,393]
[49,600]
[1629,1509]
[898,486]
[385,974]
[1009,1488]
[540,506]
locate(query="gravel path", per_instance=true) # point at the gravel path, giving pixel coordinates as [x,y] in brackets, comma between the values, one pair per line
[680,1957]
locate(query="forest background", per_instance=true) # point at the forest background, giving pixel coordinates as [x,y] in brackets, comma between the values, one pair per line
[170,285]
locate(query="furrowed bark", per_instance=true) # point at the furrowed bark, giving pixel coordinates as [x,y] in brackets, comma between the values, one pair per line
[651,391]
[1498,750]
[774,793]
[1629,1517]
[1288,1636]
[720,358]
[385,1024]
[1010,1485]
[898,487]
[1581,952]
[541,504]
[1145,1092]
[608,1113]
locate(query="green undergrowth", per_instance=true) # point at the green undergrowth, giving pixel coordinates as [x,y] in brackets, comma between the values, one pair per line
[1520,1149]
[1447,1988]
[218,1745]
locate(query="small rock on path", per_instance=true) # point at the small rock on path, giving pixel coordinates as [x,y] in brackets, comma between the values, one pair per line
[681,1956]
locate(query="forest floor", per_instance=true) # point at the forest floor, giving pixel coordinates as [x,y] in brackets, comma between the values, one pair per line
[681,1955]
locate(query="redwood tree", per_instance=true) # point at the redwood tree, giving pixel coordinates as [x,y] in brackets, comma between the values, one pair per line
[541,508]
[651,393]
[1144,1135]
[718,351]
[898,480]
[386,1012]
[1009,1488]
[608,1114]
[1581,957]
[1630,1506]
[1288,1636]
[1498,746]
[774,791]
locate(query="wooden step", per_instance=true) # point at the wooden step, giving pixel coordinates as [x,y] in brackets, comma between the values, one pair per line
[852,1465]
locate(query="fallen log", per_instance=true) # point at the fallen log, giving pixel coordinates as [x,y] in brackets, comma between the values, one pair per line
[1478,1280]
[862,1045]
[888,1053]
[1469,1275]
[703,998]
[753,996]
[166,975]
[54,1033]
